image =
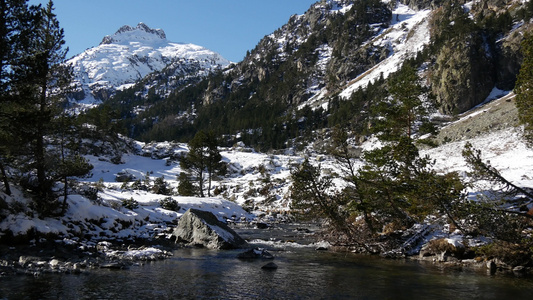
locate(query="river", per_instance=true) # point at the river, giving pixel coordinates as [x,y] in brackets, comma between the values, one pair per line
[302,273]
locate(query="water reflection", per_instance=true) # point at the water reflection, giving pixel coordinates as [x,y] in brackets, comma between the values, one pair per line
[302,274]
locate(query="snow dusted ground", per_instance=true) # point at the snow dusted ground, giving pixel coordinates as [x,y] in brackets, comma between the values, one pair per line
[258,181]
[506,150]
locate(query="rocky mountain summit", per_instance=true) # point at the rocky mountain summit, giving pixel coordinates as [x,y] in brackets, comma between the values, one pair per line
[132,53]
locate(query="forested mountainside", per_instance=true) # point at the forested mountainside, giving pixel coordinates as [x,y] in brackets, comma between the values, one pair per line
[321,70]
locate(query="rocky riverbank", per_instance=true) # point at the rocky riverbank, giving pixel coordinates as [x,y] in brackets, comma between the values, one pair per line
[58,257]
[489,266]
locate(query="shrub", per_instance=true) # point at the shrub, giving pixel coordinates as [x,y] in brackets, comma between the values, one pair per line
[169,204]
[130,203]
[513,254]
[161,186]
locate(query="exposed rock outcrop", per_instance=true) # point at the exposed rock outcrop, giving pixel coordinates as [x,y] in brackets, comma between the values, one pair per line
[202,228]
[463,75]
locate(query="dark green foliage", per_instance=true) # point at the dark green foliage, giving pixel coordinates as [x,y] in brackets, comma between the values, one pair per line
[396,118]
[354,114]
[169,204]
[16,21]
[185,186]
[312,196]
[393,190]
[346,33]
[106,119]
[497,213]
[400,187]
[524,88]
[71,166]
[204,160]
[161,186]
[36,138]
[130,204]
[482,170]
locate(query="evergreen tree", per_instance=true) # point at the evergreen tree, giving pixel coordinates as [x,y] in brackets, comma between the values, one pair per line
[524,88]
[399,115]
[203,160]
[51,79]
[185,186]
[64,161]
[161,186]
[503,214]
[40,82]
[395,187]
[71,166]
[314,197]
[15,23]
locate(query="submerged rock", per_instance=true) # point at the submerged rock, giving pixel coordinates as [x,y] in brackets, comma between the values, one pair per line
[270,266]
[260,225]
[113,265]
[255,253]
[202,228]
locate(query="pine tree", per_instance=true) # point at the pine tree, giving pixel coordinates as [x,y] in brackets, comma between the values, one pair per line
[15,20]
[398,116]
[502,215]
[52,78]
[203,160]
[66,160]
[524,88]
[41,81]
[395,187]
[185,186]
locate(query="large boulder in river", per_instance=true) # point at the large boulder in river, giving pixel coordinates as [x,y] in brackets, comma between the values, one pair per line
[202,228]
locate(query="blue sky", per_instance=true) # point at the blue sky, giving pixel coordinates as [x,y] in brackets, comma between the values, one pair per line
[229,27]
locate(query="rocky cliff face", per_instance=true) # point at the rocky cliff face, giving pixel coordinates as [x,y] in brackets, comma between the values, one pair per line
[476,48]
[473,49]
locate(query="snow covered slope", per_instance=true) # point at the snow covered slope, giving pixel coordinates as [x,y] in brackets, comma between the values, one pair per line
[408,34]
[132,53]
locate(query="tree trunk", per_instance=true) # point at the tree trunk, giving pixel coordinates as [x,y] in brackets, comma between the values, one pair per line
[39,143]
[65,194]
[209,185]
[201,183]
[5,179]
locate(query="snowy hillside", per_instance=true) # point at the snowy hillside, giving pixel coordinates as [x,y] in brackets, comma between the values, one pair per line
[131,54]
[408,34]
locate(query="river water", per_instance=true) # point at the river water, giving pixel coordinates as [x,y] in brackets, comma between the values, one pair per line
[302,273]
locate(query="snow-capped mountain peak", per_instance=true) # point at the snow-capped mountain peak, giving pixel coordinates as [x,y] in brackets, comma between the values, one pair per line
[142,32]
[132,53]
